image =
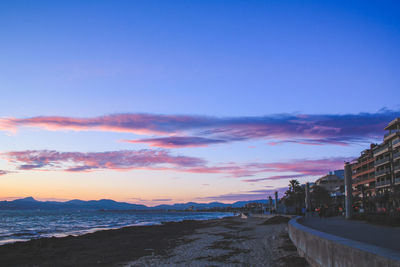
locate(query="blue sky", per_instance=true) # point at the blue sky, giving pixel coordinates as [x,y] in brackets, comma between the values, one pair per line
[225,60]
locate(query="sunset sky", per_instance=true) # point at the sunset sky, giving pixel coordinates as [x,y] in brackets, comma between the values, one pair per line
[157,102]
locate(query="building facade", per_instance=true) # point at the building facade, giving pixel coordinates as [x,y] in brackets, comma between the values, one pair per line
[363,175]
[387,158]
[331,183]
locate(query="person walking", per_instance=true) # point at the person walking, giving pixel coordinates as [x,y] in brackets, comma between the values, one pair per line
[320,212]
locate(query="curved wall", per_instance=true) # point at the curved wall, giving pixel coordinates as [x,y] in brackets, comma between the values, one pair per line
[322,249]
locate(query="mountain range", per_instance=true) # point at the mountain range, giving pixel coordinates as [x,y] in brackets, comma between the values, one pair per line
[29,203]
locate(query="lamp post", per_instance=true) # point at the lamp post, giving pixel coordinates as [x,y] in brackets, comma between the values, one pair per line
[308,199]
[270,204]
[348,190]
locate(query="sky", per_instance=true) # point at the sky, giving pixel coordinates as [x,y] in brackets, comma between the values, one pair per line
[157,102]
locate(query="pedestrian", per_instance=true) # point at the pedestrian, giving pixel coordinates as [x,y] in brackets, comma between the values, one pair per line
[320,211]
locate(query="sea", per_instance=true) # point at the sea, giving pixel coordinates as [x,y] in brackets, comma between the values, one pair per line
[24,225]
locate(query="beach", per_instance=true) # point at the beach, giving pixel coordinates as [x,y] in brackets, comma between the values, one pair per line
[231,241]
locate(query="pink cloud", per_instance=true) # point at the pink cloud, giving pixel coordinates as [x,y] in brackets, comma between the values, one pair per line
[299,168]
[45,160]
[275,177]
[247,195]
[133,123]
[114,160]
[184,130]
[177,141]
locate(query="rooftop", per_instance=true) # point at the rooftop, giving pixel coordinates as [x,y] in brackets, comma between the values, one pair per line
[329,177]
[393,125]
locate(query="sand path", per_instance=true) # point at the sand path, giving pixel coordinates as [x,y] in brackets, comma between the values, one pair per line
[231,242]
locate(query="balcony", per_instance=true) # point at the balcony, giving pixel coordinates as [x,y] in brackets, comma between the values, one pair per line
[390,134]
[396,168]
[382,172]
[382,183]
[381,150]
[363,163]
[369,172]
[397,181]
[396,155]
[363,181]
[381,161]
[396,142]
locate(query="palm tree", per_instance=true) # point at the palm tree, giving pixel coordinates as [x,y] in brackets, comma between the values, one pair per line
[295,195]
[294,185]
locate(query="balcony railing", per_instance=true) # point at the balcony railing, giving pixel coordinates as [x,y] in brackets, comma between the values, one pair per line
[378,150]
[363,180]
[365,164]
[396,167]
[381,172]
[396,141]
[392,132]
[382,183]
[397,181]
[396,155]
[381,161]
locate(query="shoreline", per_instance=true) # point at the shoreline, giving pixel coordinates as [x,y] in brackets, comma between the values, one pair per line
[18,237]
[228,241]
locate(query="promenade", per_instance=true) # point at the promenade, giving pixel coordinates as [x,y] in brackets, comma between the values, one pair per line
[377,235]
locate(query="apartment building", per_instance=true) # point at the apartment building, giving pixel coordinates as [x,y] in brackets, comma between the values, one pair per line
[387,158]
[364,173]
[331,183]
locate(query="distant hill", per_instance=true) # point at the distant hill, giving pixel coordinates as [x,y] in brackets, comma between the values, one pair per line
[29,203]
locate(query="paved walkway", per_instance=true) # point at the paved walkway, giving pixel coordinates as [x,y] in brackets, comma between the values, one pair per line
[381,236]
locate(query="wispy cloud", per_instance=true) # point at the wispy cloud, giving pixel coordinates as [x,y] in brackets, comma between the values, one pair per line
[46,160]
[3,172]
[114,160]
[275,177]
[138,199]
[161,199]
[177,141]
[174,131]
[133,123]
[247,195]
[290,169]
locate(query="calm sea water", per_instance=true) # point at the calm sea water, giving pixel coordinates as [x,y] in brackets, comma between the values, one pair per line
[26,225]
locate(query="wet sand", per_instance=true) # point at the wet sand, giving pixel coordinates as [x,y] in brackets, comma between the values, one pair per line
[230,241]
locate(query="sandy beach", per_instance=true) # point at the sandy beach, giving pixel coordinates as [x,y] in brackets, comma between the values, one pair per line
[232,241]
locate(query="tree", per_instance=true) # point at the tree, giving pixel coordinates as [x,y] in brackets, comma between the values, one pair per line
[320,196]
[295,195]
[294,185]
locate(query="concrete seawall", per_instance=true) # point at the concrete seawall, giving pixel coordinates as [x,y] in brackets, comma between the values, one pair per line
[322,249]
